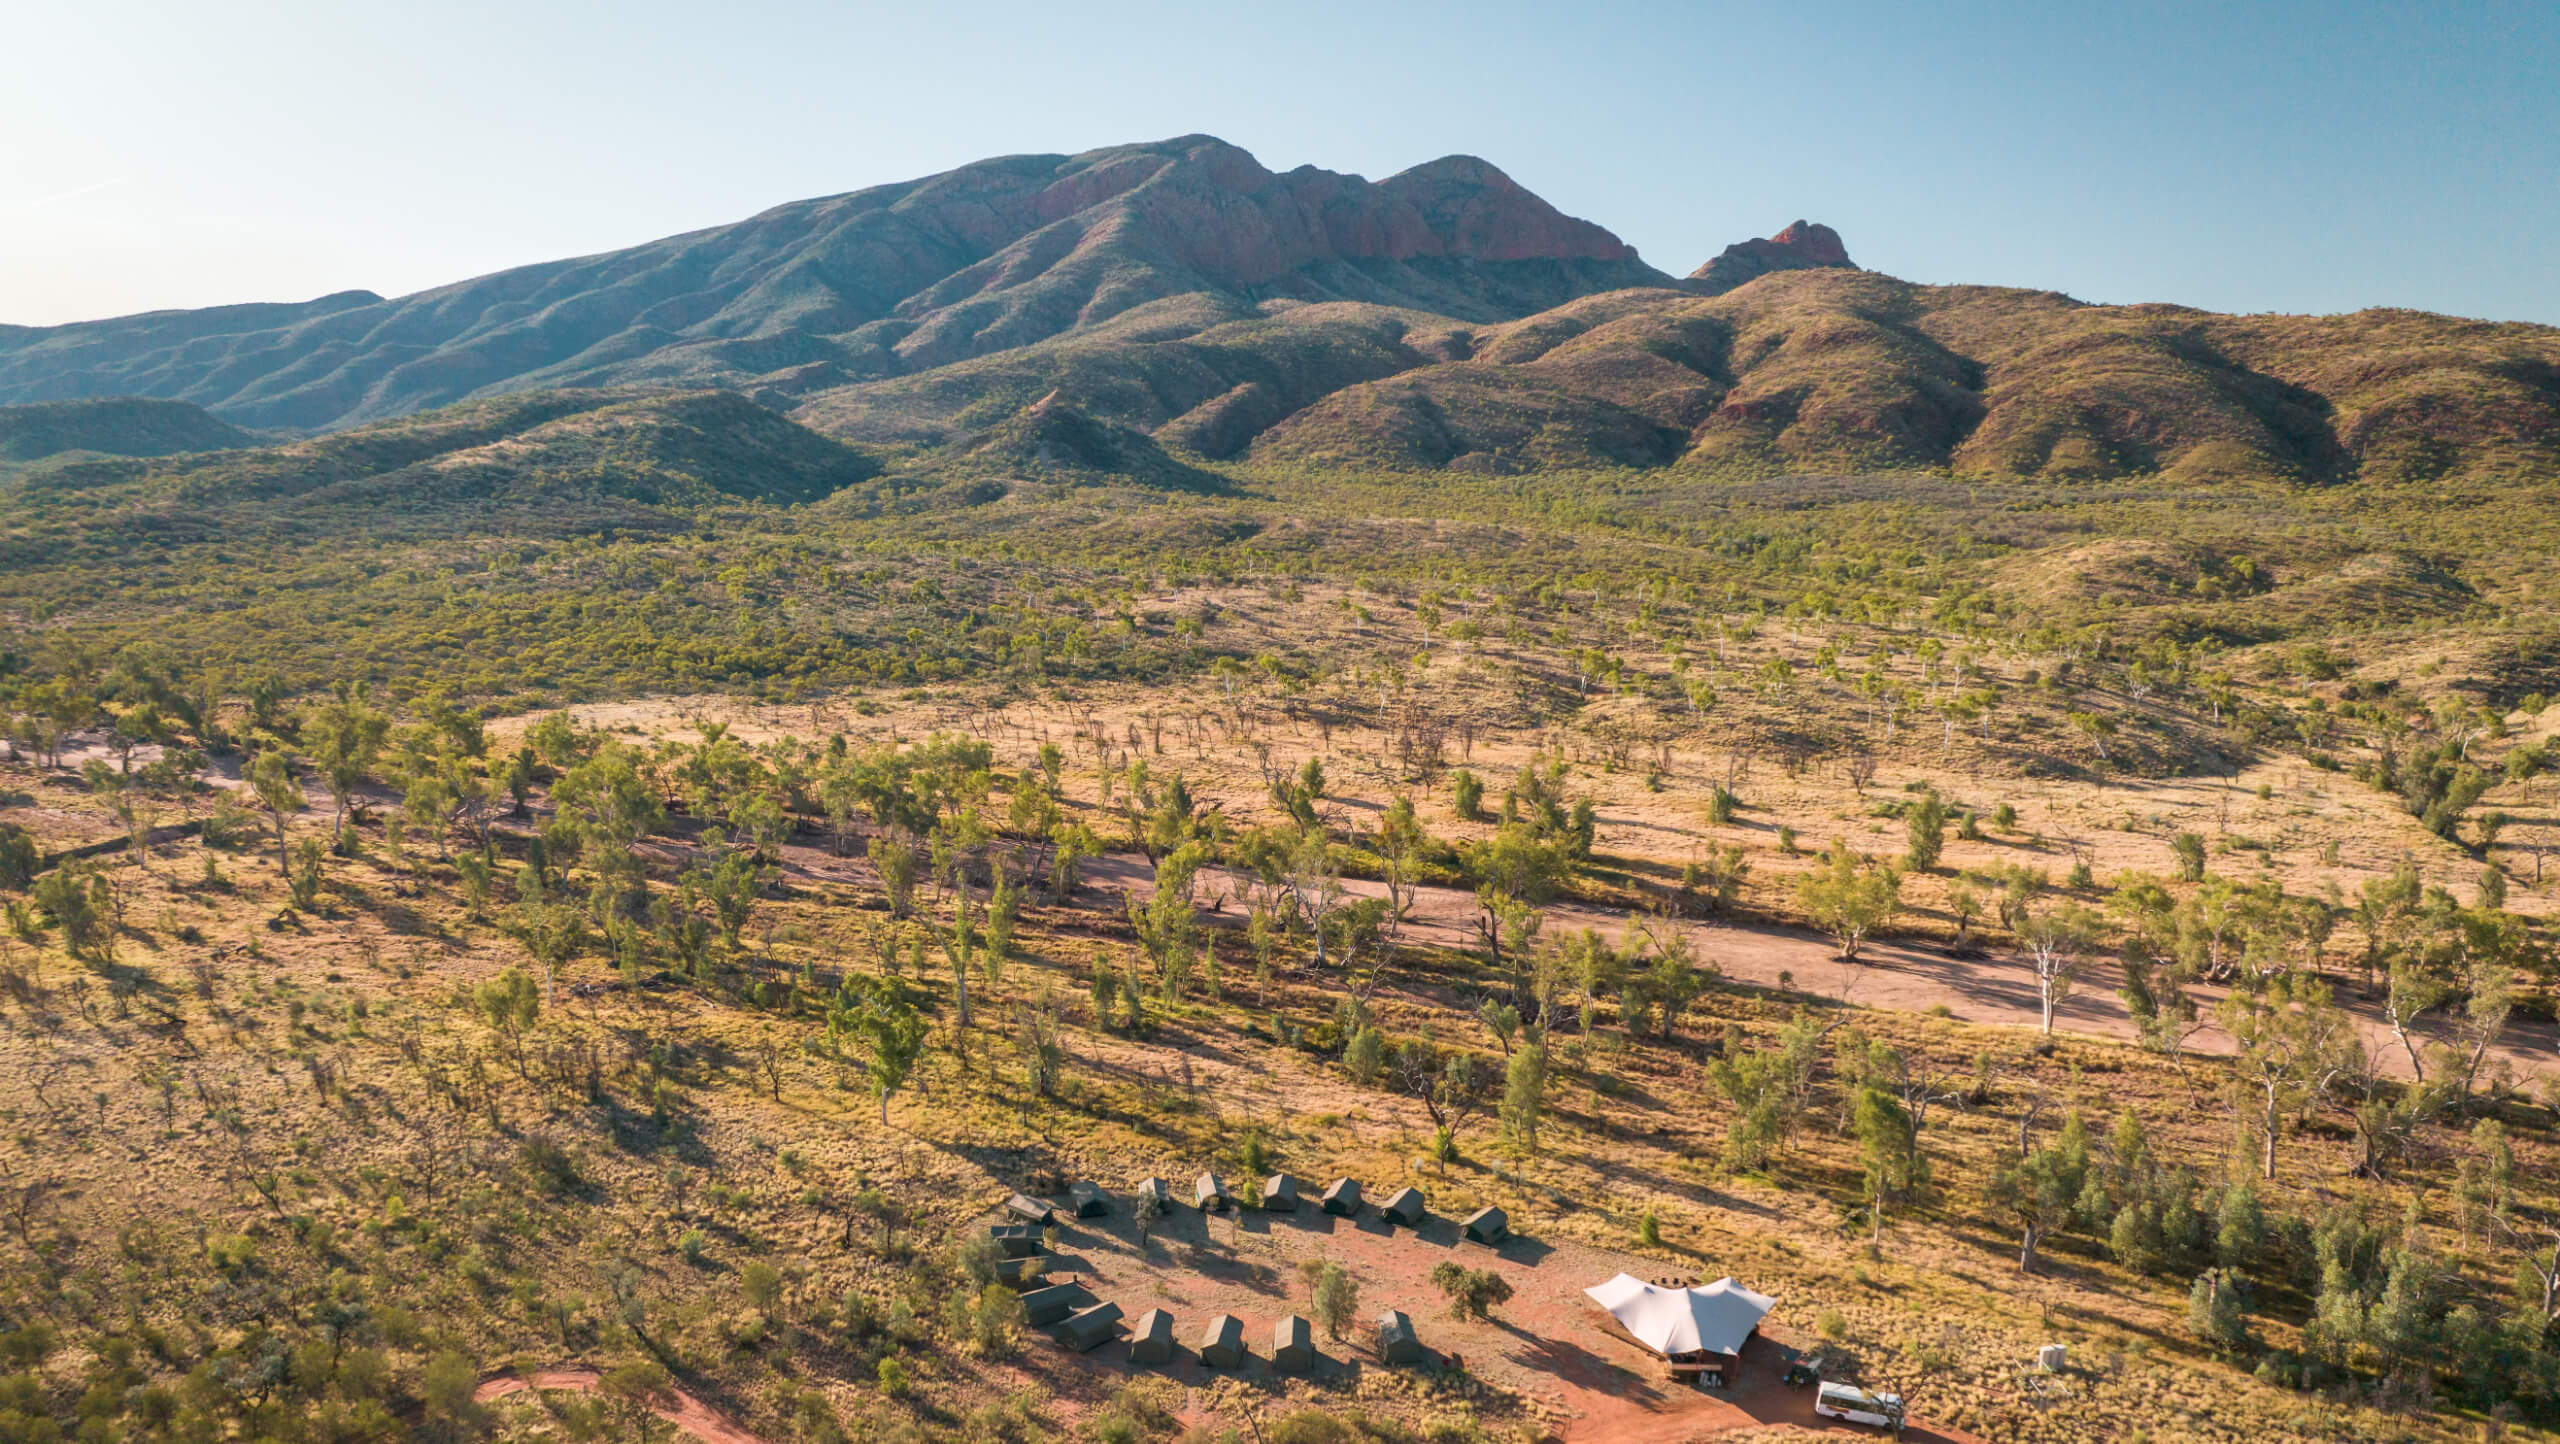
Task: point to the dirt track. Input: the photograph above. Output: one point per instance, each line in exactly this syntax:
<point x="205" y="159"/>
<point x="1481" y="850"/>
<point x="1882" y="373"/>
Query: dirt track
<point x="675" y="1406"/>
<point x="1996" y="989"/>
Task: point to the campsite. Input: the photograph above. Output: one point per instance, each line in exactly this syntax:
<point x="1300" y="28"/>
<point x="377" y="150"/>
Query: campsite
<point x="1579" y="1372"/>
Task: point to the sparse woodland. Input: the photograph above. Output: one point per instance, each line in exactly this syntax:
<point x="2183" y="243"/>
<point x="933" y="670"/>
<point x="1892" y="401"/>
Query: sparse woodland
<point x="648" y="933"/>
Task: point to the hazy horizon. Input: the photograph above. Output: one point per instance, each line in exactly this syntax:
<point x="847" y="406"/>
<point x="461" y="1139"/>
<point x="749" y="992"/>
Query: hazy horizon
<point x="2293" y="158"/>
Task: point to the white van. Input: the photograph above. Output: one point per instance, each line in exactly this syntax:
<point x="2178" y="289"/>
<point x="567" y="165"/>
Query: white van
<point x="1859" y="1406"/>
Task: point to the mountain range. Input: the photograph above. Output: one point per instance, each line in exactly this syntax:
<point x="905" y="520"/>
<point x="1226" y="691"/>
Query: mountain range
<point x="1150" y="307"/>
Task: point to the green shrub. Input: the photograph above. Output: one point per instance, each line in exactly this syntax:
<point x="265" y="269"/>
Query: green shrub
<point x="1364" y="1057"/>
<point x="1925" y="825"/>
<point x="1472" y="1293"/>
<point x="17" y="857"/>
<point x="2188" y="849"/>
<point x="1467" y="791"/>
<point x="761" y="1283"/>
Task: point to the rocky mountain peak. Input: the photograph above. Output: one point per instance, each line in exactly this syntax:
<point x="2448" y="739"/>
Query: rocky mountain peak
<point x="1818" y="243"/>
<point x="1805" y="245"/>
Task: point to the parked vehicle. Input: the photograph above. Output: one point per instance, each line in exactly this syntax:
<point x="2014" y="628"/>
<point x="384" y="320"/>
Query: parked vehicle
<point x="1859" y="1406"/>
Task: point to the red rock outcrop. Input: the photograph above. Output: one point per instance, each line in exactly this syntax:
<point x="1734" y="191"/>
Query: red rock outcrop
<point x="1212" y="209"/>
<point x="1803" y="246"/>
<point x="1816" y="242"/>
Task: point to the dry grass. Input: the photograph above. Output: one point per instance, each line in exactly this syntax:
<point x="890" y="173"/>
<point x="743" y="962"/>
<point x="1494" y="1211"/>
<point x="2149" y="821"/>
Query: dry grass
<point x="326" y="1066"/>
<point x="368" y="982"/>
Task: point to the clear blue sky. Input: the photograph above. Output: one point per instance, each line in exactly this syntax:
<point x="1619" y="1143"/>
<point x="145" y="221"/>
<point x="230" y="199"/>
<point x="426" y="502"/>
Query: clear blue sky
<point x="2248" y="157"/>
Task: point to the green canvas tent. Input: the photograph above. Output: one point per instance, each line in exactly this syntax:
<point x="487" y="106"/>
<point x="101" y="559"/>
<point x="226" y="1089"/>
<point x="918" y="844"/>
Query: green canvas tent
<point x="1280" y="1193"/>
<point x="1293" y="1344"/>
<point x="1396" y="1341"/>
<point x="1151" y="1338"/>
<point x="1405" y="1206"/>
<point x="1043" y="1307"/>
<point x="1488" y="1225"/>
<point x="1211" y="1195"/>
<point x="1342" y="1198"/>
<point x="1088" y="1329"/>
<point x="1222" y="1342"/>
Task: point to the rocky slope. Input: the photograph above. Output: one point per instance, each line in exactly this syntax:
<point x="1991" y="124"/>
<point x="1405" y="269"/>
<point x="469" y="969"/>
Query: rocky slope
<point x="883" y="282"/>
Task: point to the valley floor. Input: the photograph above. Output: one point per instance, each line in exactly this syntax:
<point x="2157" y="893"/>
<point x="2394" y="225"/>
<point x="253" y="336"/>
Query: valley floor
<point x="299" y="1099"/>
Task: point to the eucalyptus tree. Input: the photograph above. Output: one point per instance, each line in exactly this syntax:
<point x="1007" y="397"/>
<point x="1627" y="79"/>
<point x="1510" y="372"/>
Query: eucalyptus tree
<point x="2058" y="941"/>
<point x="2291" y="1041"/>
<point x="344" y="737"/>
<point x="2040" y="1187"/>
<point x="270" y="779"/>
<point x="1850" y="898"/>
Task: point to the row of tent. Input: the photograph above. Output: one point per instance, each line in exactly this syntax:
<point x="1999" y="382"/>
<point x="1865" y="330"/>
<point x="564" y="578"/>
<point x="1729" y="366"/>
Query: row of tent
<point x="1084" y="1327"/>
<point x="1086" y="1199"/>
<point x="1221" y="1343"/>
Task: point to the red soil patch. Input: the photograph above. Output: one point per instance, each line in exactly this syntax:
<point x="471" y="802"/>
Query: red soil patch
<point x="675" y="1406"/>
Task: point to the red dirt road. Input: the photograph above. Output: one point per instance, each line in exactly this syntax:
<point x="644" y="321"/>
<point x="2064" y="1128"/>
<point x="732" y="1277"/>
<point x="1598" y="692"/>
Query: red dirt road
<point x="1997" y="989"/>
<point x="675" y="1406"/>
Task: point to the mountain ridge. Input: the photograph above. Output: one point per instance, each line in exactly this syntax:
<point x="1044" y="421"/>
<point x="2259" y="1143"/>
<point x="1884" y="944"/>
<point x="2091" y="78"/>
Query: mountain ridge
<point x="1140" y="309"/>
<point x="883" y="281"/>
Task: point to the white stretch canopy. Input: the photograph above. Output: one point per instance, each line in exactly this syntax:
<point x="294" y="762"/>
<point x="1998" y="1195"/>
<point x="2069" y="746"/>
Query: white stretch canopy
<point x="1715" y="1317"/>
